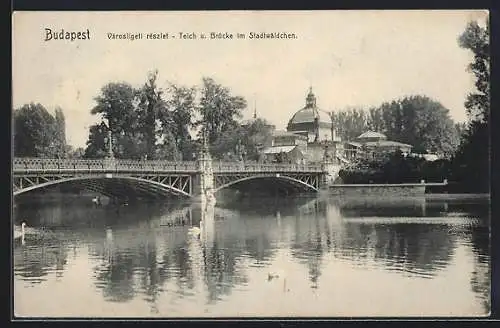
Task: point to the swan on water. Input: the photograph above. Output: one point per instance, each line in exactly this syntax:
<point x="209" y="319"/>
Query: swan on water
<point x="24" y="230"/>
<point x="20" y="231"/>
<point x="195" y="231"/>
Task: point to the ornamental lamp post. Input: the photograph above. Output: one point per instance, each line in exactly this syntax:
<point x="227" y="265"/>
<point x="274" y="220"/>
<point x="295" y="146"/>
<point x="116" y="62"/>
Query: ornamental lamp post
<point x="110" y="145"/>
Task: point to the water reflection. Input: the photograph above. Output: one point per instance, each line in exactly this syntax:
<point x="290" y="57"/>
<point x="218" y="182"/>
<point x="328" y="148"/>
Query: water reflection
<point x="34" y="263"/>
<point x="147" y="253"/>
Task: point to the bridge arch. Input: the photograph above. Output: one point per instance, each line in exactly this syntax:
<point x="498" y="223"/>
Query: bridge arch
<point x="279" y="177"/>
<point x="133" y="181"/>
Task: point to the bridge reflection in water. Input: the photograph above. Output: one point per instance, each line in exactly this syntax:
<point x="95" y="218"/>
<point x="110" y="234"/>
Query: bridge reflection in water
<point x="145" y="253"/>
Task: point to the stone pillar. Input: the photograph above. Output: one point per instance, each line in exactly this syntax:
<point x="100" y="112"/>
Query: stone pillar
<point x="330" y="173"/>
<point x="203" y="182"/>
<point x="330" y="168"/>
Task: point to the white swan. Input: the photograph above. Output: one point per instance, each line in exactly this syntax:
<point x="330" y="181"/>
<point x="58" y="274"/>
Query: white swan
<point x="195" y="231"/>
<point x="19" y="232"/>
<point x="24" y="230"/>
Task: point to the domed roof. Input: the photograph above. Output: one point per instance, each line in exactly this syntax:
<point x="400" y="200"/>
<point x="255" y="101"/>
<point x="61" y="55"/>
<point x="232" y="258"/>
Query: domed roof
<point x="310" y="112"/>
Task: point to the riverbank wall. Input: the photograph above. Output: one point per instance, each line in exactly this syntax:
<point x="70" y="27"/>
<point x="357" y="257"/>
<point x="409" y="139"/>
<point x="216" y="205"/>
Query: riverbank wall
<point x="379" y="190"/>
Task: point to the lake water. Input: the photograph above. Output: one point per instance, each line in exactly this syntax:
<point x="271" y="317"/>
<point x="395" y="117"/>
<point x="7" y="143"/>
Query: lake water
<point x="260" y="257"/>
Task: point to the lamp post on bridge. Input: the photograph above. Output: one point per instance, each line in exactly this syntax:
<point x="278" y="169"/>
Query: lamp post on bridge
<point x="110" y="145"/>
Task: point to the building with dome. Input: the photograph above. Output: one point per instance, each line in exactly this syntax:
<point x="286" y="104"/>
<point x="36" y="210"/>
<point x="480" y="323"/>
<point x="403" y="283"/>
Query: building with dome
<point x="312" y="122"/>
<point x="310" y="132"/>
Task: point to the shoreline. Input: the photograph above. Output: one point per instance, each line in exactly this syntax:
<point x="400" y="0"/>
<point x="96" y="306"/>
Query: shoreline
<point x="457" y="196"/>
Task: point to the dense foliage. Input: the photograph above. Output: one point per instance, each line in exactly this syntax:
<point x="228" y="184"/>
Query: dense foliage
<point x="158" y="124"/>
<point x="243" y="141"/>
<point x="416" y="120"/>
<point x="471" y="164"/>
<point x="396" y="168"/>
<point x="37" y="133"/>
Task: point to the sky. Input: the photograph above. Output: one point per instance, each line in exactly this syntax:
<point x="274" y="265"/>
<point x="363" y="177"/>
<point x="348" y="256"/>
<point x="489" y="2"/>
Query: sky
<point x="350" y="58"/>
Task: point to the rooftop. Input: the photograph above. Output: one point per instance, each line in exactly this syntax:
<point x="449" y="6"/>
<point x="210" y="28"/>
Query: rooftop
<point x="279" y="149"/>
<point x="372" y="135"/>
<point x="354" y="143"/>
<point x="387" y="143"/>
<point x="310" y="112"/>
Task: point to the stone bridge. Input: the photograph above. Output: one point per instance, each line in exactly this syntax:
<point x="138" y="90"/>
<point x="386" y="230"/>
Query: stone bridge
<point x="157" y="179"/>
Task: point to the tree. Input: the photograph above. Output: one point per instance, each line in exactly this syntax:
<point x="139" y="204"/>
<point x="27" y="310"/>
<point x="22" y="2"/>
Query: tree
<point x="167" y="149"/>
<point x="419" y="121"/>
<point x="34" y="132"/>
<point x="96" y="143"/>
<point x="151" y="105"/>
<point x="461" y="128"/>
<point x="218" y="109"/>
<point x="179" y="119"/>
<point x="376" y="120"/>
<point x="471" y="166"/>
<point x="476" y="39"/>
<point x="117" y="105"/>
<point x="227" y="143"/>
<point x="245" y="141"/>
<point x="60" y="133"/>
<point x="350" y="123"/>
<point x="255" y="136"/>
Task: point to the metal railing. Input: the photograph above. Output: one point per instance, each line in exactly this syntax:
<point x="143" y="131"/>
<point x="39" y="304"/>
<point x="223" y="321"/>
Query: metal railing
<point x="49" y="165"/>
<point x="228" y="167"/>
<point x="99" y="165"/>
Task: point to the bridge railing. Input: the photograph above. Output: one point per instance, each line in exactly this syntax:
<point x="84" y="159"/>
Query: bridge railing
<point x="105" y="165"/>
<point x="155" y="166"/>
<point x="228" y="167"/>
<point x="49" y="164"/>
<point x="98" y="165"/>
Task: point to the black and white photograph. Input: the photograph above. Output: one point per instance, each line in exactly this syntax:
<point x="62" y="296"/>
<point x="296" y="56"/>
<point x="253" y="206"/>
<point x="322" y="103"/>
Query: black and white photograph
<point x="251" y="164"/>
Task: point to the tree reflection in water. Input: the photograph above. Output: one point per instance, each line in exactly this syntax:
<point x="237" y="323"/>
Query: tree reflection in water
<point x="411" y="248"/>
<point x="307" y="245"/>
<point x="135" y="265"/>
<point x="35" y="262"/>
<point x="148" y="253"/>
<point x="480" y="279"/>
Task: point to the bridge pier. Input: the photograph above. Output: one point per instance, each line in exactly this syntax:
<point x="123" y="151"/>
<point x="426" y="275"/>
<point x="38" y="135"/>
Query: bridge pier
<point x="330" y="173"/>
<point x="203" y="186"/>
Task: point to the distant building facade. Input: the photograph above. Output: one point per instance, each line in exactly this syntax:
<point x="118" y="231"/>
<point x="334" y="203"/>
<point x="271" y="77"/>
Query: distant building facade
<point x="311" y="135"/>
<point x="373" y="144"/>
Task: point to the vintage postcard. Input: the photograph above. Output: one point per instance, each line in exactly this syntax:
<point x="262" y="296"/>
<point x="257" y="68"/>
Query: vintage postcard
<point x="250" y="164"/>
